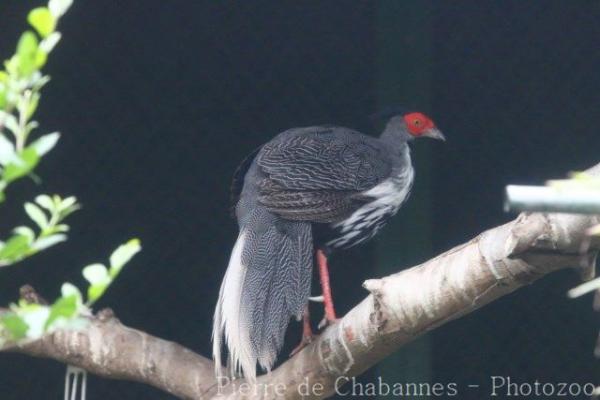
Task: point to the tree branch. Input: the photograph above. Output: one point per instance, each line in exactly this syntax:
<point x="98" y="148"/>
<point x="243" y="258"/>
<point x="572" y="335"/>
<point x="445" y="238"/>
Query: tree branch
<point x="110" y="349"/>
<point x="398" y="309"/>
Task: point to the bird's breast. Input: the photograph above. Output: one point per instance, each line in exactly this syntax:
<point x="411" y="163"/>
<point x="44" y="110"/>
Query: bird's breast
<point x="366" y="221"/>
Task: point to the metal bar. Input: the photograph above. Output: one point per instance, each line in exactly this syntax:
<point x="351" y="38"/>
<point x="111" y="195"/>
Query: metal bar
<point x="550" y="199"/>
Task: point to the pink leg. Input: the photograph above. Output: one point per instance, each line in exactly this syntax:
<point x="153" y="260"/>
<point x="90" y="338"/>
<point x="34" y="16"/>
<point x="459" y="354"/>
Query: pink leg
<point x="327" y="297"/>
<point x="307" y="334"/>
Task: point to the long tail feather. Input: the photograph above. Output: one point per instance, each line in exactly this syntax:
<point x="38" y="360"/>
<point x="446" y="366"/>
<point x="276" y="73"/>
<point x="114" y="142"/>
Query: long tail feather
<point x="267" y="282"/>
<point x="227" y="312"/>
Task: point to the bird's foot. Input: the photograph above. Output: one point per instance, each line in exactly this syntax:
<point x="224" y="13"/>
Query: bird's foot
<point x="306" y="340"/>
<point x="307" y="334"/>
<point x="325" y="322"/>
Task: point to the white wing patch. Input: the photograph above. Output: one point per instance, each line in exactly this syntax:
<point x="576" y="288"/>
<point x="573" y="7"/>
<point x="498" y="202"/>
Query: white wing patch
<point x="388" y="197"/>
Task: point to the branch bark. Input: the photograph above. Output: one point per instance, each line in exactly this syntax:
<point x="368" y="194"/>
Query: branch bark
<point x="398" y="309"/>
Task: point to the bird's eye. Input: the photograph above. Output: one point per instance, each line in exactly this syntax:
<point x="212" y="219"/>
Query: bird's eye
<point x="417" y="123"/>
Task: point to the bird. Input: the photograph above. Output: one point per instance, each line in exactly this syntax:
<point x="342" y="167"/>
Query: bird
<point x="307" y="192"/>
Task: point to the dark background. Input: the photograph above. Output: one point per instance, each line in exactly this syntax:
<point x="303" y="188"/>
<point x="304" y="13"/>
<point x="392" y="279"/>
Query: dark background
<point x="158" y="101"/>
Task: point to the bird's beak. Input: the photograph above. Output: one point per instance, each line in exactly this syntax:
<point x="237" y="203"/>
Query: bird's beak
<point x="435" y="133"/>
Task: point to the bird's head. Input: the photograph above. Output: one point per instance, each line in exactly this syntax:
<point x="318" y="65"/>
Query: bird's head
<point x="420" y="125"/>
<point x="412" y="125"/>
<point x="408" y="125"/>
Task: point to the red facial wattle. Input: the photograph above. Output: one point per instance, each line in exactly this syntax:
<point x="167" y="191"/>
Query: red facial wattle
<point x="418" y="123"/>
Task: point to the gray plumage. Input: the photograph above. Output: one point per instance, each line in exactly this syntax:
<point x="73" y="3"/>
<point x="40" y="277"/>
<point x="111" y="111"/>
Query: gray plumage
<point x="328" y="187"/>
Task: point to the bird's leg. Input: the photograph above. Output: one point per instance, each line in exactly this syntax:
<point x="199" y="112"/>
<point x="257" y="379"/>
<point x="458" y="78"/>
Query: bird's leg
<point x="307" y="334"/>
<point x="327" y="297"/>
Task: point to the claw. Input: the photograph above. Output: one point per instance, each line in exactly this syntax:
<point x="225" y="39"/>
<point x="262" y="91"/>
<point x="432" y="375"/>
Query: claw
<point x="307" y="335"/>
<point x="327" y="322"/>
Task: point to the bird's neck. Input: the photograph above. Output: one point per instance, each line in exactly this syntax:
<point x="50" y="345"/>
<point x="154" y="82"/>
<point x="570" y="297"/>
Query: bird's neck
<point x="396" y="141"/>
<point x="395" y="135"/>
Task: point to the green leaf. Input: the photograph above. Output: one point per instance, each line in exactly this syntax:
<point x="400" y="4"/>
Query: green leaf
<point x="122" y="255"/>
<point x="9" y="121"/>
<point x="68" y="210"/>
<point x="35" y="316"/>
<point x="36" y="214"/>
<point x="33" y="104"/>
<point x="45" y="143"/>
<point x="27" y="45"/>
<point x="38" y="81"/>
<point x="15" y="248"/>
<point x="14" y="325"/>
<point x="3" y="95"/>
<point x="96" y="273"/>
<point x="7" y="150"/>
<point x="67" y="203"/>
<point x="48" y="241"/>
<point x="48" y="44"/>
<point x="59" y="7"/>
<point x="41" y="57"/>
<point x="68" y="289"/>
<point x="25" y="231"/>
<point x="25" y="307"/>
<point x="60" y="228"/>
<point x="96" y="291"/>
<point x="3" y="89"/>
<point x="42" y="20"/>
<point x="63" y="307"/>
<point x="27" y="50"/>
<point x="28" y="159"/>
<point x="12" y="65"/>
<point x="97" y="276"/>
<point x="45" y="201"/>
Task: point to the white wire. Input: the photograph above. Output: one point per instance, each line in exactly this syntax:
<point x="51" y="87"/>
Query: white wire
<point x="84" y="385"/>
<point x="74" y="387"/>
<point x="67" y="385"/>
<point x="72" y="382"/>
